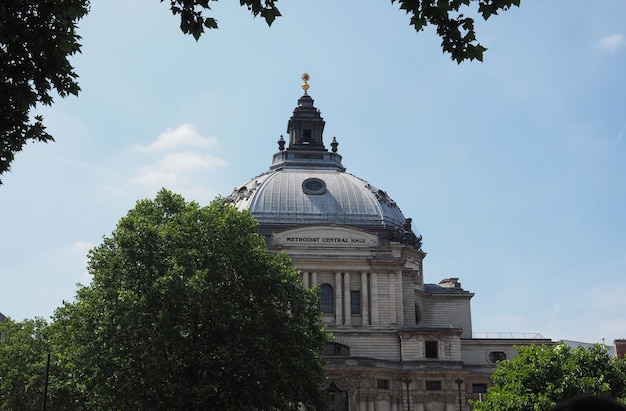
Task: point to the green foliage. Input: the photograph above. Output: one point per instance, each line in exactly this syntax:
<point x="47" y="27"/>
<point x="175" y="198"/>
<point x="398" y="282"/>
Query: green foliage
<point x="24" y="350"/>
<point x="23" y="355"/>
<point x="540" y="377"/>
<point x="36" y="40"/>
<point x="193" y="20"/>
<point x="187" y="310"/>
<point x="456" y="30"/>
<point x="457" y="33"/>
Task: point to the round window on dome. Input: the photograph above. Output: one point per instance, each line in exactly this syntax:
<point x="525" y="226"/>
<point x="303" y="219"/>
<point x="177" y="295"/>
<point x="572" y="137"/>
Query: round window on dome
<point x="314" y="186"/>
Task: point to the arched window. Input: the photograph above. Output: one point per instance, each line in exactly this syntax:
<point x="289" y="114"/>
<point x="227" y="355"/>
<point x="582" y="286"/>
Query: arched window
<point x="338" y="400"/>
<point x="327" y="299"/>
<point x="335" y="349"/>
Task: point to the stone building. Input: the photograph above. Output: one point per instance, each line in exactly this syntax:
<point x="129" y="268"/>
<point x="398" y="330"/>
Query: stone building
<point x="399" y="343"/>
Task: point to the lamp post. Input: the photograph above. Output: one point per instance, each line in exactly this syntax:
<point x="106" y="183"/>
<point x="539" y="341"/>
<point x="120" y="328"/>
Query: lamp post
<point x="406" y="381"/>
<point x="45" y="387"/>
<point x="458" y="382"/>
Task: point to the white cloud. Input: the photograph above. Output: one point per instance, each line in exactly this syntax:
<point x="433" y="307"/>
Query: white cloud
<point x="175" y="165"/>
<point x="154" y="176"/>
<point x="612" y="43"/>
<point x="179" y="159"/>
<point x="82" y="246"/>
<point x="168" y="170"/>
<point x="184" y="135"/>
<point x="190" y="161"/>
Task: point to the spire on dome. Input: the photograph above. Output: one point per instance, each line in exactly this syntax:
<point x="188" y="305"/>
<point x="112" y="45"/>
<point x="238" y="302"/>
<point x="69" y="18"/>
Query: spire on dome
<point x="305" y="143"/>
<point x="306" y="125"/>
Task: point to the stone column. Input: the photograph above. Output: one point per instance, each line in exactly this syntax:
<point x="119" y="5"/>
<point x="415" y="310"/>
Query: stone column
<point x="347" y="301"/>
<point x="393" y="319"/>
<point x="365" y="306"/>
<point x="314" y="279"/>
<point x="374" y="298"/>
<point x="338" y="304"/>
<point x="305" y="280"/>
<point x="400" y="296"/>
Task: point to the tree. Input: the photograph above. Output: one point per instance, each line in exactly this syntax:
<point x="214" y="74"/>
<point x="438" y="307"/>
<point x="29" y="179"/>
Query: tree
<point x="24" y="368"/>
<point x="540" y="377"/>
<point x="23" y="357"/>
<point x="187" y="310"/>
<point x="38" y="37"/>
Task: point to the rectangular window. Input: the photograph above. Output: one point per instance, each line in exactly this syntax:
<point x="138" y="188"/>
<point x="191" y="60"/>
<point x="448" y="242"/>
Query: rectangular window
<point x="431" y="349"/>
<point x="383" y="384"/>
<point x="327" y="299"/>
<point x="433" y="385"/>
<point x="306" y="136"/>
<point x="479" y="388"/>
<point x="355" y="302"/>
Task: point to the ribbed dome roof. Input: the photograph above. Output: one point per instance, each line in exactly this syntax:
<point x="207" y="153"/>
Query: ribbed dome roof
<point x="307" y="184"/>
<point x="294" y="196"/>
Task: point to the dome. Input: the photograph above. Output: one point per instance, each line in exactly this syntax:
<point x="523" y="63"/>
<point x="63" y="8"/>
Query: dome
<point x="308" y="185"/>
<point x="295" y="196"/>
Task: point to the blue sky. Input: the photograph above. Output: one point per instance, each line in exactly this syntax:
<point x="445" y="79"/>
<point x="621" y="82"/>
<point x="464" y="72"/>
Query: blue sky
<point x="512" y="170"/>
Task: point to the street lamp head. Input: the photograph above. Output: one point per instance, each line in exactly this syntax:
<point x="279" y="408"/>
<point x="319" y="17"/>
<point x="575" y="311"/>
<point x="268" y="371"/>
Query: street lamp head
<point x="406" y="381"/>
<point x="458" y="381"/>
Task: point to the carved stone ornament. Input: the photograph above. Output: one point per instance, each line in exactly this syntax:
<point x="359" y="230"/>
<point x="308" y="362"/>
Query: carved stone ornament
<point x="382" y="196"/>
<point x="242" y="193"/>
<point x="405" y="235"/>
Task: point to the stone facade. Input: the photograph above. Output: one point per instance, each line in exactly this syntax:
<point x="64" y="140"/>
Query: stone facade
<point x="399" y="343"/>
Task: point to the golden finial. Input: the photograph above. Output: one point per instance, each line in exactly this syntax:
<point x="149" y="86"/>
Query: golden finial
<point x="305" y="85"/>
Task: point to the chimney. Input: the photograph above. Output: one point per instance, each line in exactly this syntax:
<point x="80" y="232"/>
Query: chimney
<point x="620" y="348"/>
